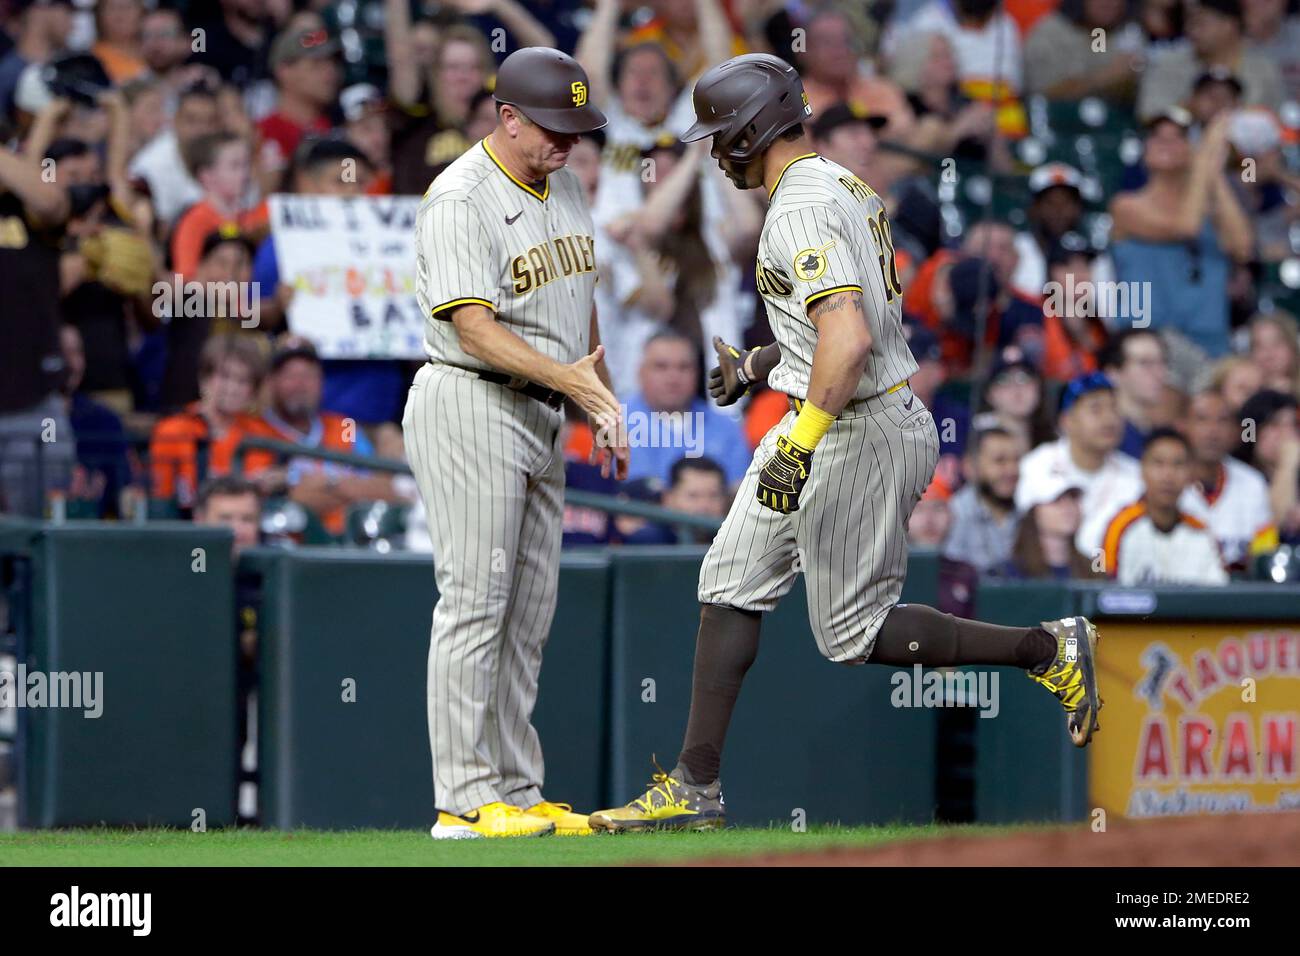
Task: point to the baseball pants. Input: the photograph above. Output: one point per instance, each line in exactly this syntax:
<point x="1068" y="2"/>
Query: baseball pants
<point x="849" y="536"/>
<point x="490" y="469"/>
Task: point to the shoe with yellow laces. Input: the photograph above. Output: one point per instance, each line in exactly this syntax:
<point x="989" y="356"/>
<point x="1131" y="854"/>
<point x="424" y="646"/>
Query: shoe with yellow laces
<point x="567" y="823"/>
<point x="1072" y="675"/>
<point x="491" y="820"/>
<point x="671" y="803"/>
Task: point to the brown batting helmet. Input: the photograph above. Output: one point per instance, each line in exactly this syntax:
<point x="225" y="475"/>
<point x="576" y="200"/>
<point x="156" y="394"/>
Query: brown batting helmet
<point x="550" y="88"/>
<point x="745" y="103"/>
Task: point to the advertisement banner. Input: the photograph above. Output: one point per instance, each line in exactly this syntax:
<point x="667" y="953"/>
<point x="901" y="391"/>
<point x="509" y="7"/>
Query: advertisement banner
<point x="1198" y="718"/>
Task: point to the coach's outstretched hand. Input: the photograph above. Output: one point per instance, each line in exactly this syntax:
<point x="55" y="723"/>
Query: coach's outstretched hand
<point x="582" y="383"/>
<point x="727" y="380"/>
<point x="784" y="476"/>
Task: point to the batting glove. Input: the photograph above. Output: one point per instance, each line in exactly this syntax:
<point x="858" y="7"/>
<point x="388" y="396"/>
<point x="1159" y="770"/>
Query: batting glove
<point x="727" y="379"/>
<point x="784" y="476"/>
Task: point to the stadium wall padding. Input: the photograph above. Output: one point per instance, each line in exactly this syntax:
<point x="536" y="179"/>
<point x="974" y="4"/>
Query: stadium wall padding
<point x="151" y="610"/>
<point x="810" y="740"/>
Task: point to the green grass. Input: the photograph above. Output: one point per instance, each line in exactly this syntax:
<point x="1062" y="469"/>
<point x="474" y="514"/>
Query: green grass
<point x="112" y="847"/>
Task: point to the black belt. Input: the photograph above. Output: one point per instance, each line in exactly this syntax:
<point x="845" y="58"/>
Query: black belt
<point x="547" y="396"/>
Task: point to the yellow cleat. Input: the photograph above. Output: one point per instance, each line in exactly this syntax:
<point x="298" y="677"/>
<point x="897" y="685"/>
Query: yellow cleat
<point x="1072" y="675"/>
<point x="491" y="820"/>
<point x="670" y="804"/>
<point x="567" y="823"/>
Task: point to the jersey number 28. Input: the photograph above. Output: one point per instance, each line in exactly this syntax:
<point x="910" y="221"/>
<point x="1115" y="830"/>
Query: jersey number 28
<point x="879" y="227"/>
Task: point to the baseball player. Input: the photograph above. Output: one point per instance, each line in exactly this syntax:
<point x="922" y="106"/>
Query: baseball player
<point x="831" y="485"/>
<point x="505" y="274"/>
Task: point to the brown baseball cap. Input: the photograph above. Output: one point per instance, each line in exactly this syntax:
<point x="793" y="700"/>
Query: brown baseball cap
<point x="298" y="44"/>
<point x="550" y="88"/>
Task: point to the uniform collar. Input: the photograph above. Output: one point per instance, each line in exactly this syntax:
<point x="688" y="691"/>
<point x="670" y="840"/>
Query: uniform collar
<point x="776" y="184"/>
<point x="546" y="181"/>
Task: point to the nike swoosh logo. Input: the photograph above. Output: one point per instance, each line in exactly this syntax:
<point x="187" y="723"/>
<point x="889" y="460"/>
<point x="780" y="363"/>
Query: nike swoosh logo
<point x="510" y="220"/>
<point x="908" y="404"/>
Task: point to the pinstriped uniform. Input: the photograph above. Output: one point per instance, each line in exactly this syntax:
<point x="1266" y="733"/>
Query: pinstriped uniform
<point x="489" y="464"/>
<point x="826" y="232"/>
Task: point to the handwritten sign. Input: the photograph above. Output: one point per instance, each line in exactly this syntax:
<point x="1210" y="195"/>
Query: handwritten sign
<point x="351" y="264"/>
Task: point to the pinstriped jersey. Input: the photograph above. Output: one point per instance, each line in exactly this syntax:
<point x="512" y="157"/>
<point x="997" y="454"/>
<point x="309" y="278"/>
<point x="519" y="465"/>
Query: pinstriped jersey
<point x="523" y="250"/>
<point x="826" y="232"/>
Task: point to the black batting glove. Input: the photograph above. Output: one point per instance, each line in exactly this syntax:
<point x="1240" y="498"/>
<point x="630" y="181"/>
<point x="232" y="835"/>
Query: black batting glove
<point x="784" y="476"/>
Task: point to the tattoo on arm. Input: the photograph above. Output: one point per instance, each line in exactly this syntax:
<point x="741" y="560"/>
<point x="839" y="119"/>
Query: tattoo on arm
<point x="851" y="298"/>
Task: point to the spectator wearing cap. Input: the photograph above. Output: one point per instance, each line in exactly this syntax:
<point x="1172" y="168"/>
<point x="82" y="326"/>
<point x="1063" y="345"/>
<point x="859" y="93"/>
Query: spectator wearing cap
<point x="1151" y="541"/>
<point x="43" y="29"/>
<point x="365" y="124"/>
<point x="1072" y="335"/>
<point x="1044" y="547"/>
<point x="832" y="69"/>
<point x="1062" y="61"/>
<point x="1012" y="398"/>
<point x="846" y="134"/>
<point x="369" y="391"/>
<point x="1178" y="235"/>
<point x="220" y="164"/>
<point x="1134" y="362"/>
<point x="1086" y="455"/>
<point x="201" y="440"/>
<point x="117" y="44"/>
<point x="931" y="520"/>
<point x="667" y="403"/>
<point x="984" y="517"/>
<point x="224" y="267"/>
<point x="1228" y="495"/>
<point x="1055" y="210"/>
<point x="1216" y="31"/>
<point x="1270" y="442"/>
<point x="294" y="414"/>
<point x="306" y="71"/>
<point x="1273" y="32"/>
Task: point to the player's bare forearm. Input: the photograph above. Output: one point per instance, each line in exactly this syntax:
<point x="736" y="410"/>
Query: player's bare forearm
<point x="483" y="337"/>
<point x="843" y="345"/>
<point x="487" y="340"/>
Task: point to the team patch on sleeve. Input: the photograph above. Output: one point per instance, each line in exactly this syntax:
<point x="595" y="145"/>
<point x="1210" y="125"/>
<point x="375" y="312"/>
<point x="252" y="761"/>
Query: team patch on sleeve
<point x="810" y="264"/>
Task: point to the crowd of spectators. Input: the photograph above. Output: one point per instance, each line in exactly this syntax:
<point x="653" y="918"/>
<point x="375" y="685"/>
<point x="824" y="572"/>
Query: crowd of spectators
<point x="1110" y="363"/>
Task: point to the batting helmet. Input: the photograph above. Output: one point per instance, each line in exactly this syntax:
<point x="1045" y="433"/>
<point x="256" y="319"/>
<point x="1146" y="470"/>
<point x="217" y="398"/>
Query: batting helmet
<point x="745" y="103"/>
<point x="550" y="88"/>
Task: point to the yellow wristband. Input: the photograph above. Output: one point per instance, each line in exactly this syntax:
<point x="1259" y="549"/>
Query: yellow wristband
<point x="811" y="425"/>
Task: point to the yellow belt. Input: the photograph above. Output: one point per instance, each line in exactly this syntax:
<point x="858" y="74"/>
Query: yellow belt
<point x="797" y="403"/>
